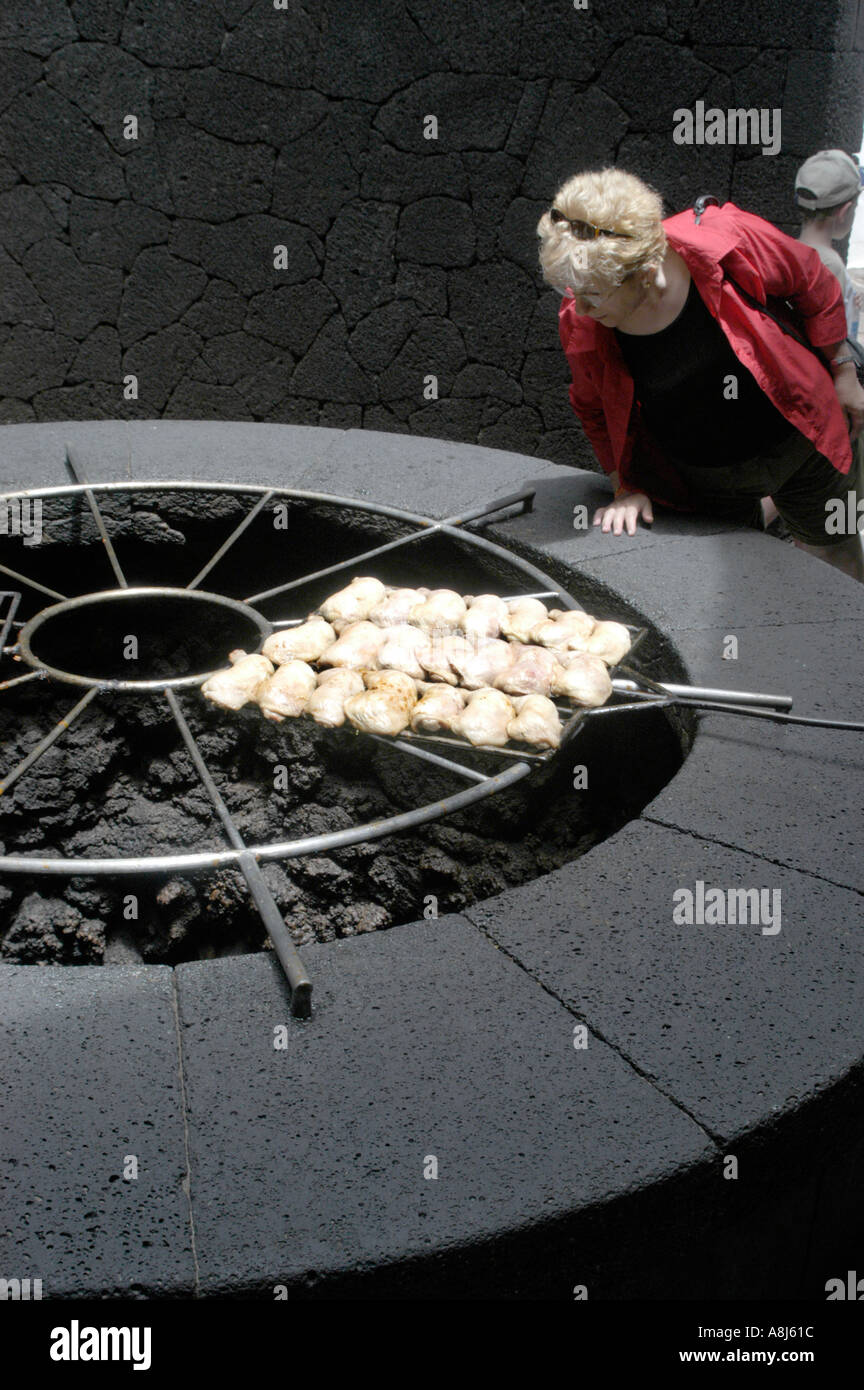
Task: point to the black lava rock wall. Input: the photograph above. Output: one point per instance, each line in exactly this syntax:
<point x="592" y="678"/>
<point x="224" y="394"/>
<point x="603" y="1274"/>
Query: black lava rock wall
<point x="398" y="152"/>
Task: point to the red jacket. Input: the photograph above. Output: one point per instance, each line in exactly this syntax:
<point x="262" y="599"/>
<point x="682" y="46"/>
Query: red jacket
<point x="764" y="261"/>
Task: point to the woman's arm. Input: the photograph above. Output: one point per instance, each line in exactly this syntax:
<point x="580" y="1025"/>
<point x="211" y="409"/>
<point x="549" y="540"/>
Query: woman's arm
<point x="789" y="269"/>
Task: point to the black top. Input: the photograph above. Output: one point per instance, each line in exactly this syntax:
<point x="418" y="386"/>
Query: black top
<point x="680" y="375"/>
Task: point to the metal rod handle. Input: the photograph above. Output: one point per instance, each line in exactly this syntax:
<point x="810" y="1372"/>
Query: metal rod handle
<point x="704" y="692"/>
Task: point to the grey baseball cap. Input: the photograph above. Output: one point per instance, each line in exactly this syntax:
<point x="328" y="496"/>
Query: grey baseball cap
<point x="827" y="179"/>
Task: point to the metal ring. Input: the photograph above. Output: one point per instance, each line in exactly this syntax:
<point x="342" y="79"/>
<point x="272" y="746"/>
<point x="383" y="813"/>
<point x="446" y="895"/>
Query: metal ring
<point x="111" y="595"/>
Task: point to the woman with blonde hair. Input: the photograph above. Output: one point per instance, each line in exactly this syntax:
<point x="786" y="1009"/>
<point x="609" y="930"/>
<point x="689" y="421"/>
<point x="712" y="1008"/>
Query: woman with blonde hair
<point x="688" y="390"/>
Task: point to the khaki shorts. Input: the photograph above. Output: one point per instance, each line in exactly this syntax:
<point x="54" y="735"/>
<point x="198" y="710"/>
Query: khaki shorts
<point x="799" y="480"/>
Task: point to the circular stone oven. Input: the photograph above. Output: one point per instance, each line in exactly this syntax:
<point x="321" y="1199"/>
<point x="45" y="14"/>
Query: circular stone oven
<point x="302" y="1145"/>
<point x="132" y="858"/>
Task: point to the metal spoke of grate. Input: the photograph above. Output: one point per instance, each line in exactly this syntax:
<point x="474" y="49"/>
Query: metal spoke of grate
<point x="77" y="474"/>
<point x="430" y="528"/>
<point x="301" y="985"/>
<point x="22" y="680"/>
<point x="6" y="617"/>
<point x="235" y="536"/>
<point x="45" y="743"/>
<point x="32" y="583"/>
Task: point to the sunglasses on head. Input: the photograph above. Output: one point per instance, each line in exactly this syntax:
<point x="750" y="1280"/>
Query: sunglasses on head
<point x="584" y="231"/>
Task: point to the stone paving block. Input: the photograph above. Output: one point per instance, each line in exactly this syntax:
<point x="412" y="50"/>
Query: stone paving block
<point x="111" y="450"/>
<point x="430" y="476"/>
<point x="90" y="1076"/>
<point x="736" y="1024"/>
<point x="791" y="794"/>
<point x="425" y="1041"/>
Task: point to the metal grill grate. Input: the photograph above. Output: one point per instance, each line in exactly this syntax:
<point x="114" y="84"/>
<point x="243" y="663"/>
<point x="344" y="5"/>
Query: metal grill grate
<point x="631" y="691"/>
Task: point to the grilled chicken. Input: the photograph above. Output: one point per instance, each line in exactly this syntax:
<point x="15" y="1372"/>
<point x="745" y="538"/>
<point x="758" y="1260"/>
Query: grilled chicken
<point x="357" y="647"/>
<point x="485" y="718"/>
<point x="286" y="693"/>
<point x="354" y="603"/>
<point x="384" y="708"/>
<point x="523" y="615"/>
<point x="401" y="649"/>
<point x="327" y="701"/>
<point x="396" y="606"/>
<point x="567" y="630"/>
<point x="609" y="641"/>
<point x="307" y="642"/>
<point x="531" y="672"/>
<point x="435" y="658"/>
<point x="437" y="707"/>
<point x="584" y="680"/>
<point x="537" y="722"/>
<point x="238" y="683"/>
<point x="487" y="660"/>
<point x="442" y="611"/>
<point x="485" y="615"/>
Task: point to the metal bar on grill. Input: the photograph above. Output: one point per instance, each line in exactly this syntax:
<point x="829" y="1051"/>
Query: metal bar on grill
<point x="227" y="544"/>
<point x="45" y="743"/>
<point x="295" y="970"/>
<point x="97" y="517"/>
<point x="19" y="680"/>
<point x="14" y="598"/>
<point x="463" y="771"/>
<point x="699" y="692"/>
<point x="33" y="583"/>
<point x="432" y="528"/>
<point x="476" y="747"/>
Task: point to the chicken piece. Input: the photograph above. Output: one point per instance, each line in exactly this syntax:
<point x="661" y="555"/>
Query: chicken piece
<point x="402" y="648"/>
<point x="353" y="604"/>
<point x="437" y="707"/>
<point x="286" y="693"/>
<point x="566" y="630"/>
<point x="395" y="608"/>
<point x="485" y="615"/>
<point x="305" y="642"/>
<point x="584" y="680"/>
<point x="523" y="615"/>
<point x="485" y="718"/>
<point x="357" y="647"/>
<point x="385" y="707"/>
<point x="442" y="611"/>
<point x="531" y="672"/>
<point x="237" y="684"/>
<point x="327" y="701"/>
<point x="488" y="659"/>
<point x="610" y="641"/>
<point x="435" y="658"/>
<point x="536" y="722"/>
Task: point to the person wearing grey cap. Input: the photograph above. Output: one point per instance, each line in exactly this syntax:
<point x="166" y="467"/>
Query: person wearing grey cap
<point x="826" y="191"/>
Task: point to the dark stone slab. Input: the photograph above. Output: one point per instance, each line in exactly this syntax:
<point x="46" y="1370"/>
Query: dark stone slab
<point x="31" y="132"/>
<point x="697" y="582"/>
<point x="424" y="475"/>
<point x="180" y="33"/>
<point x="454" y="241"/>
<point x="790" y="794"/>
<point x="736" y="1025"/>
<point x="316" y="1164"/>
<point x="218" y="451"/>
<point x="158" y="291"/>
<point x="107" y="84"/>
<point x="91" y="1075"/>
<point x="492" y="305"/>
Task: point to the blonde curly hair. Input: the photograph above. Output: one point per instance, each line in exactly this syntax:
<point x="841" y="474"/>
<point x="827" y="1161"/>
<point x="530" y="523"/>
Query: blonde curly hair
<point x="616" y="201"/>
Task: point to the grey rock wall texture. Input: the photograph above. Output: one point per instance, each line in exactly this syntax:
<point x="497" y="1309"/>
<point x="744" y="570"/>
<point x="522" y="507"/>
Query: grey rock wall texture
<point x="301" y="124"/>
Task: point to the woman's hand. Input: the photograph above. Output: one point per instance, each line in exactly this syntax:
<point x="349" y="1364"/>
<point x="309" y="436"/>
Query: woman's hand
<point x="850" y="394"/>
<point x="624" y="512"/>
